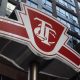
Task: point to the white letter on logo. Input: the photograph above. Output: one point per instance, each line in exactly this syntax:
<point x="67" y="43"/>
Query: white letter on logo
<point x="44" y="31"/>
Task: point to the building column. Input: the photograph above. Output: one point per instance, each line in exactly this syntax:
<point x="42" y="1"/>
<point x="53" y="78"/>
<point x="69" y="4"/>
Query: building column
<point x="54" y="12"/>
<point x="33" y="71"/>
<point x="3" y="7"/>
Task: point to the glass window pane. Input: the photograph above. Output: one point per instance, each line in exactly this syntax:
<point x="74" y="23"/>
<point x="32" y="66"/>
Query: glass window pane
<point x="62" y="2"/>
<point x="75" y="19"/>
<point x="48" y="3"/>
<point x="10" y="8"/>
<point x="62" y="11"/>
<point x="28" y="2"/>
<point x="76" y="29"/>
<point x="65" y="3"/>
<point x="68" y="25"/>
<point x="47" y="12"/>
<point x="73" y="8"/>
<point x="43" y="1"/>
<point x="64" y="22"/>
<point x="58" y="18"/>
<point x="72" y="1"/>
<point x="67" y="14"/>
<point x="57" y="8"/>
<point x="32" y="4"/>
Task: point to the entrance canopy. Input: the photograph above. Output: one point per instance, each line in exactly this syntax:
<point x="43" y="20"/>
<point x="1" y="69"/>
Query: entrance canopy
<point x="17" y="57"/>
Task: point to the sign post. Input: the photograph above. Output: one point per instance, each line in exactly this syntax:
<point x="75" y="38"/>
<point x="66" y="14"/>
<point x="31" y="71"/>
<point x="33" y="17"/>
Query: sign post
<point x="33" y="71"/>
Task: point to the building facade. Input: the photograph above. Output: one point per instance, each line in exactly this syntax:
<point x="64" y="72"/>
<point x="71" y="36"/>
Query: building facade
<point x="66" y="11"/>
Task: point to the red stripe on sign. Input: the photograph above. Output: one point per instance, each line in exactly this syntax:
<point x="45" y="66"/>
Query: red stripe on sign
<point x="70" y="55"/>
<point x="14" y="29"/>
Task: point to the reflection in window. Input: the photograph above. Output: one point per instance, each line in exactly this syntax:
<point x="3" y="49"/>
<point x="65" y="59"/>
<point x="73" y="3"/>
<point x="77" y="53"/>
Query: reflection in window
<point x="77" y="30"/>
<point x="62" y="2"/>
<point x="32" y="4"/>
<point x="47" y="3"/>
<point x="72" y="1"/>
<point x="75" y="20"/>
<point x="64" y="22"/>
<point x="73" y="8"/>
<point x="10" y="8"/>
<point x="66" y="4"/>
<point x="47" y="12"/>
<point x="62" y="12"/>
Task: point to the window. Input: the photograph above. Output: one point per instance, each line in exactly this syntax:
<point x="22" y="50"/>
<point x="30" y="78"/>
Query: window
<point x="65" y="3"/>
<point x="62" y="12"/>
<point x="47" y="12"/>
<point x="68" y="25"/>
<point x="47" y="3"/>
<point x="77" y="30"/>
<point x="73" y="8"/>
<point x="32" y="4"/>
<point x="62" y="2"/>
<point x="75" y="20"/>
<point x="57" y="8"/>
<point x="58" y="18"/>
<point x="64" y="22"/>
<point x="72" y="1"/>
<point x="10" y="8"/>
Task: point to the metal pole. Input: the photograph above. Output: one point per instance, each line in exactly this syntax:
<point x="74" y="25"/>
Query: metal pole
<point x="33" y="71"/>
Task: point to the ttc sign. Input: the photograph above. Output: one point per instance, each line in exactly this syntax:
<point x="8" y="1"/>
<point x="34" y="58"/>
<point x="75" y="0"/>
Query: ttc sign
<point x="44" y="35"/>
